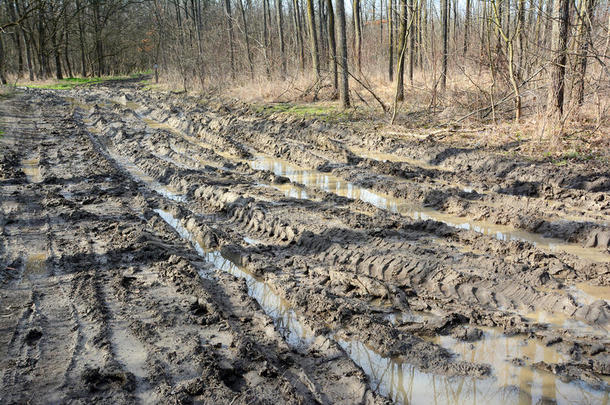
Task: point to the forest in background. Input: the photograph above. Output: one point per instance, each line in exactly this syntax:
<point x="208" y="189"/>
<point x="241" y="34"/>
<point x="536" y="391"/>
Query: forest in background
<point x="540" y="63"/>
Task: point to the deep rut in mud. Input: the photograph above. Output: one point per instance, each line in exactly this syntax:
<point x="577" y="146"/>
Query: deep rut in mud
<point x="156" y="248"/>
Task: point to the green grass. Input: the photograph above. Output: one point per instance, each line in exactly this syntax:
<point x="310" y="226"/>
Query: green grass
<point x="327" y="113"/>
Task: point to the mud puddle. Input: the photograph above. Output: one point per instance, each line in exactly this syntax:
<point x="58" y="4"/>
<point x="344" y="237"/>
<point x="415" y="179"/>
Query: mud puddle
<point x="284" y="318"/>
<point x="511" y="358"/>
<point x="590" y="293"/>
<point x="510" y="383"/>
<point x="402" y="382"/>
<point x="31" y="168"/>
<point x="564" y="322"/>
<point x="332" y="184"/>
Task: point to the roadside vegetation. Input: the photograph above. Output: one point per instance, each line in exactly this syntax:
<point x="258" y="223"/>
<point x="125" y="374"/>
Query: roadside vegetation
<point x="525" y="77"/>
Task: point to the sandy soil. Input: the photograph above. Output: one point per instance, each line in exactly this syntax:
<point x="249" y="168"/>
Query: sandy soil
<point x="159" y="248"/>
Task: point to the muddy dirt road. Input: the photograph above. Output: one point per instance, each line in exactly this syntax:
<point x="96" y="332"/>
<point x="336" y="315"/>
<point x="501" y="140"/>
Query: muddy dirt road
<point x="160" y="249"/>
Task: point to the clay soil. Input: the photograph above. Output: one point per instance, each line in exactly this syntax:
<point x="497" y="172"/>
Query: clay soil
<point x="160" y="248"/>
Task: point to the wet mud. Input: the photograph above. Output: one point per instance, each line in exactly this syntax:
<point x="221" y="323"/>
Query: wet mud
<point x="161" y="248"/>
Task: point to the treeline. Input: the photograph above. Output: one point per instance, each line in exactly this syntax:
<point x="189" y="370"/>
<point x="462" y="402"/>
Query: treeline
<point x="517" y="45"/>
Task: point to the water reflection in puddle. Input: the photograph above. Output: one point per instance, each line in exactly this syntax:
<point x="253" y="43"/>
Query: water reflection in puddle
<point x="332" y="184"/>
<point x="284" y="318"/>
<point x="402" y="382"/>
<point x="499" y="350"/>
<point x="590" y="293"/>
<point x="562" y="321"/>
<point x="509" y="384"/>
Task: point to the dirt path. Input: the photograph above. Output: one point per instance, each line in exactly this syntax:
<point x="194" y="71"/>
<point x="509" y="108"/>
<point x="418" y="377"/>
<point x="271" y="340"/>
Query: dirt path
<point x="156" y="249"/>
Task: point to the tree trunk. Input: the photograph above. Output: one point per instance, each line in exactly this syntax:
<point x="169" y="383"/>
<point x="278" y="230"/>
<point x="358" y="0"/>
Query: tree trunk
<point x="583" y="34"/>
<point x="390" y="42"/>
<point x="445" y="32"/>
<point x="400" y="90"/>
<point x="322" y="41"/>
<point x="280" y="30"/>
<point x="299" y="34"/>
<point x="66" y="51"/>
<point x="332" y="46"/>
<point x="357" y="34"/>
<point x="265" y="39"/>
<point x="231" y="40"/>
<point x="411" y="33"/>
<point x="520" y="36"/>
<point x="344" y="87"/>
<point x="56" y="53"/>
<point x="381" y="24"/>
<point x="2" y="62"/>
<point x="313" y="40"/>
<point x="466" y="27"/>
<point x="247" y="38"/>
<point x="16" y="37"/>
<point x="561" y="18"/>
<point x="28" y="56"/>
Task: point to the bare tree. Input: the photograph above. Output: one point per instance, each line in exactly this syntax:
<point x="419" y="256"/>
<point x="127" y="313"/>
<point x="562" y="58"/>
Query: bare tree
<point x="445" y="33"/>
<point x="561" y="18"/>
<point x="313" y="40"/>
<point x="332" y="47"/>
<point x="585" y="13"/>
<point x="280" y="30"/>
<point x="344" y="86"/>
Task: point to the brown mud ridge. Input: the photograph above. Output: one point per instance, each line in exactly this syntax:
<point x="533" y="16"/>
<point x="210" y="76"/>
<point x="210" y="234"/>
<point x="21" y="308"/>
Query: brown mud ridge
<point x="156" y="248"/>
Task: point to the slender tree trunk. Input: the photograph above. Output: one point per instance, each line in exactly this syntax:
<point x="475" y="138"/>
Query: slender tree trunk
<point x="2" y="62"/>
<point x="28" y="56"/>
<point x="10" y="7"/>
<point x="561" y="18"/>
<point x="66" y="50"/>
<point x="299" y="34"/>
<point x="390" y="42"/>
<point x="381" y="24"/>
<point x="400" y="88"/>
<point x="455" y="22"/>
<point x="99" y="50"/>
<point x="445" y="32"/>
<point x="313" y="40"/>
<point x="247" y="38"/>
<point x="231" y="40"/>
<point x="322" y="41"/>
<point x="57" y="54"/>
<point x="266" y="40"/>
<point x="466" y="27"/>
<point x="81" y="39"/>
<point x="344" y="85"/>
<point x="411" y="33"/>
<point x="357" y="34"/>
<point x="280" y="30"/>
<point x="547" y="24"/>
<point x="332" y="46"/>
<point x="583" y="34"/>
<point x="520" y="36"/>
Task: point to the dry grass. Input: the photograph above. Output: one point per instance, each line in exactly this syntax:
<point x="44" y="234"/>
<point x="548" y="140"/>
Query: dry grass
<point x="582" y="134"/>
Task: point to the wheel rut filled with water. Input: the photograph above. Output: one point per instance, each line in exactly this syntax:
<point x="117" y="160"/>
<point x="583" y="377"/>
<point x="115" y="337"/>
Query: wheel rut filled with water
<point x="156" y="249"/>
